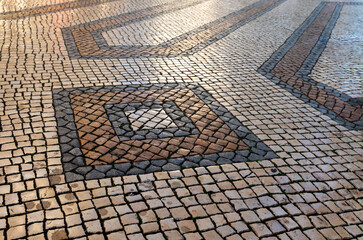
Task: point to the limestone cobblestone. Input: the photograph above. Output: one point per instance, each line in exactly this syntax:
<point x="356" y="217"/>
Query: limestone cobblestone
<point x="242" y="122"/>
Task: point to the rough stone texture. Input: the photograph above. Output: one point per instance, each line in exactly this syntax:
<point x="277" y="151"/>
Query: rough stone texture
<point x="280" y="76"/>
<point x="108" y="134"/>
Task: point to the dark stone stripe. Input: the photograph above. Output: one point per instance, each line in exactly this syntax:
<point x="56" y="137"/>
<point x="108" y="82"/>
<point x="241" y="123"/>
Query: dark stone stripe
<point x="187" y="43"/>
<point x="75" y="44"/>
<point x="338" y="105"/>
<point x="290" y="42"/>
<point x="102" y="42"/>
<point x="315" y="53"/>
<point x="51" y="8"/>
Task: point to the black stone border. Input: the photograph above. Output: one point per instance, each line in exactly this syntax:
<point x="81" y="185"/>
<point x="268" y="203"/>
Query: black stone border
<point x="73" y="161"/>
<point x="71" y="44"/>
<point x="124" y="131"/>
<point x="309" y="64"/>
<point x="101" y="42"/>
<point x="51" y="10"/>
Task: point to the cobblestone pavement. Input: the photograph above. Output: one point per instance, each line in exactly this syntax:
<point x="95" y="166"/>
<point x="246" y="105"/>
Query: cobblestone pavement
<point x="181" y="119"/>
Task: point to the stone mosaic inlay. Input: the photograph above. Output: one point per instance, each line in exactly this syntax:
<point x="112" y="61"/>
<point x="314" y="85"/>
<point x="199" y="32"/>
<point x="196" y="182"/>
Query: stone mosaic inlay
<point x="51" y="8"/>
<point x="86" y="40"/>
<point x="113" y="131"/>
<point x="102" y="139"/>
<point x="292" y="63"/>
<point x="149" y="120"/>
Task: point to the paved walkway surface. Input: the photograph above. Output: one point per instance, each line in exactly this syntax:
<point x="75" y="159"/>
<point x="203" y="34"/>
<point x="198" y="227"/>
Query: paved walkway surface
<point x="181" y="119"/>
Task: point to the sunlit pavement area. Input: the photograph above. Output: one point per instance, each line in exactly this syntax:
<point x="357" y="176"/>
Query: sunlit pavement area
<point x="181" y="119"/>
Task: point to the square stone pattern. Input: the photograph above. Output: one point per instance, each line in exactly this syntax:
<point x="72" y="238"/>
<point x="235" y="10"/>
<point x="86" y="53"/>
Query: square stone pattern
<point x="114" y="131"/>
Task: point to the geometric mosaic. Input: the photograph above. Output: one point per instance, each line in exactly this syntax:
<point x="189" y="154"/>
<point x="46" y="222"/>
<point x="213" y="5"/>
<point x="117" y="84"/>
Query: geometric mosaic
<point x="51" y="8"/>
<point x="115" y="131"/>
<point x="181" y="119"/>
<point x="292" y="63"/>
<point x="86" y="40"/>
<point x="149" y="120"/>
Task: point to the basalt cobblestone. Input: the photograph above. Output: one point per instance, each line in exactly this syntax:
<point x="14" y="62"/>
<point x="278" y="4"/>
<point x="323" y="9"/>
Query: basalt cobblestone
<point x="105" y="147"/>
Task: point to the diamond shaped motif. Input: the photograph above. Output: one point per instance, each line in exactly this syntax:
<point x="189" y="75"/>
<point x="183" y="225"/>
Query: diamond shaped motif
<point x="113" y="131"/>
<point x="149" y="120"/>
<point x="146" y="118"/>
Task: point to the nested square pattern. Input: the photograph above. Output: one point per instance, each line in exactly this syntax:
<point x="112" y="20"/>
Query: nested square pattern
<point x="115" y="131"/>
<point x="148" y="120"/>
